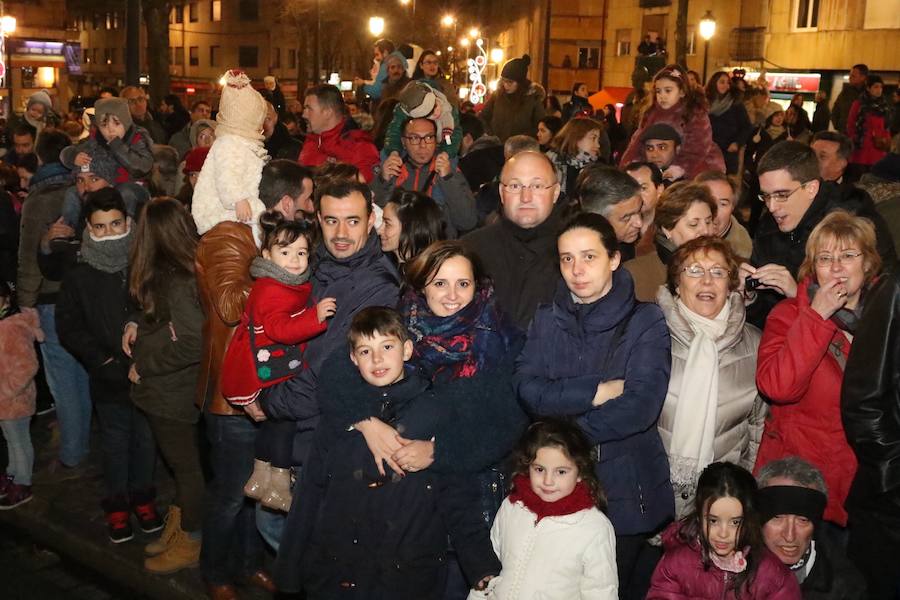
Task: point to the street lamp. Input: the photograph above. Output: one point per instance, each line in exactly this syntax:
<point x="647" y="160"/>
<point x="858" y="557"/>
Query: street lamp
<point x="497" y="55"/>
<point x="474" y="33"/>
<point x="376" y="26"/>
<point x="707" y="31"/>
<point x="464" y="42"/>
<point x="448" y="20"/>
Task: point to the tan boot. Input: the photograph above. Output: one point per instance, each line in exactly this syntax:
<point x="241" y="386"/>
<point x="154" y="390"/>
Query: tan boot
<point x="278" y="494"/>
<point x="259" y="480"/>
<point x="172" y="524"/>
<point x="183" y="552"/>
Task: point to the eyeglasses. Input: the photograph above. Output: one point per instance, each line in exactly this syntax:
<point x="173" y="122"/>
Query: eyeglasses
<point x="430" y="62"/>
<point x="137" y="100"/>
<point x="781" y="195"/>
<point x="416" y="140"/>
<point x="697" y="272"/>
<point x="535" y="188"/>
<point x="826" y="260"/>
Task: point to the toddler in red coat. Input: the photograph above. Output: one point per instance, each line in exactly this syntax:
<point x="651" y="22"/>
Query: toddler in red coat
<point x="267" y="347"/>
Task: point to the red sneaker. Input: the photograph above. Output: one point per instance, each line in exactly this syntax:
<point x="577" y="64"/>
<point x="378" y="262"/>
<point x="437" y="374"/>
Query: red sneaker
<point x="118" y="526"/>
<point x="16" y="495"/>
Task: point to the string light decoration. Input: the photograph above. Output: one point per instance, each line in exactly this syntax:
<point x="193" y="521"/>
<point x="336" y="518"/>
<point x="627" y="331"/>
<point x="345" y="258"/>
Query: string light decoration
<point x="476" y="68"/>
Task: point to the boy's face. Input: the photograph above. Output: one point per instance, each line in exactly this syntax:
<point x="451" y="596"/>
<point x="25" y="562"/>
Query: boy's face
<point x="380" y="358"/>
<point x="106" y="223"/>
<point x="111" y="127"/>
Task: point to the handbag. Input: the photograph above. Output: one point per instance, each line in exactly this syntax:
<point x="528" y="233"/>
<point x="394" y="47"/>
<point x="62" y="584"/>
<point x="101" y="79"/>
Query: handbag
<point x="273" y="361"/>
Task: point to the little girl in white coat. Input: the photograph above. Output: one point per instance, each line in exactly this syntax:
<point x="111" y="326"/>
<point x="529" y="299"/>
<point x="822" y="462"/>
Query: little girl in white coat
<point x="550" y="535"/>
<point x="228" y="186"/>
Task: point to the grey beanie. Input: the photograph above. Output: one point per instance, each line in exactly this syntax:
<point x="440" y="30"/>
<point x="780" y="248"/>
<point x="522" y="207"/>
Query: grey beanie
<point x="41" y="97"/>
<point x="117" y="107"/>
<point x="103" y="164"/>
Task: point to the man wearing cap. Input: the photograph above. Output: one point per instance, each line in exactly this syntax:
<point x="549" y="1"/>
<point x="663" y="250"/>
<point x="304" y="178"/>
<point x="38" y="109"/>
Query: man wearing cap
<point x="423" y="169"/>
<point x="332" y="135"/>
<point x="792" y="498"/>
<point x="660" y="144"/>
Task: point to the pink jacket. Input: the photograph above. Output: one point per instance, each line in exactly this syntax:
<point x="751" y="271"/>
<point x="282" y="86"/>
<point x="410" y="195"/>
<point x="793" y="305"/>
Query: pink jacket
<point x="19" y="365"/>
<point x="697" y="152"/>
<point x="680" y="576"/>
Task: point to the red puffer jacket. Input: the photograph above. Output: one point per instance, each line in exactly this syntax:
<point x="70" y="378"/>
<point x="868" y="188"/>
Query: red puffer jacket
<point x="697" y="152"/>
<point x="344" y="142"/>
<point x="680" y="575"/>
<point x="797" y="370"/>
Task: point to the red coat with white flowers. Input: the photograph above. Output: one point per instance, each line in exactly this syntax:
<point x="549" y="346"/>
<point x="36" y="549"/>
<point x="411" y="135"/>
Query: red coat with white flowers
<point x="280" y="315"/>
<point x="697" y="152"/>
<point x="798" y="371"/>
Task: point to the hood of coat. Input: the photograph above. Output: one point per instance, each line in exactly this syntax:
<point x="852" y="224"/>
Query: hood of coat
<point x="602" y="315"/>
<point x="681" y="330"/>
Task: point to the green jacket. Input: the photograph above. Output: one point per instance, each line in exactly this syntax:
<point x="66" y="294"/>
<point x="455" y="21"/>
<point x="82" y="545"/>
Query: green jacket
<point x="167" y="353"/>
<point x="395" y="129"/>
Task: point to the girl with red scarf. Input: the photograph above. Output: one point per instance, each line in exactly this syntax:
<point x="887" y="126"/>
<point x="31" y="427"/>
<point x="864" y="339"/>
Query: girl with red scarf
<point x="554" y="518"/>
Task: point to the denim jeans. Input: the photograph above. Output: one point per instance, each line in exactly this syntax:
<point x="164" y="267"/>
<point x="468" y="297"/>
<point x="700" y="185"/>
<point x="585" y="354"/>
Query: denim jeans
<point x="270" y="524"/>
<point x="19" y="448"/>
<point x="232" y="547"/>
<point x="129" y="449"/>
<point x="68" y="382"/>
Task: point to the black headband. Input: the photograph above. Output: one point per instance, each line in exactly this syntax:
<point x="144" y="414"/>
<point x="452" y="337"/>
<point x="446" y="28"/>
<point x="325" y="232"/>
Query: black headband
<point x="791" y="500"/>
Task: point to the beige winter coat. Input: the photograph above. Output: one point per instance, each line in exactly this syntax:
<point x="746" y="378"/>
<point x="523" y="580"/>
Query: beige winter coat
<point x="18" y="334"/>
<point x="741" y="412"/>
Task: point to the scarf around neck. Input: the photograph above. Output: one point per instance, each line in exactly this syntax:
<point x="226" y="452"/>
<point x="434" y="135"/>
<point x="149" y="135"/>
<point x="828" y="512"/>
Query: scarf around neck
<point x="721" y="105"/>
<point x="108" y="254"/>
<point x="580" y="499"/>
<point x="261" y="267"/>
<point x="694" y="429"/>
<point x="458" y="346"/>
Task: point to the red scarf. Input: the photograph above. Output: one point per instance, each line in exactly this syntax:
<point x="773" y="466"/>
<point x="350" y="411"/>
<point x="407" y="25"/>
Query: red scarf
<point x="579" y="499"/>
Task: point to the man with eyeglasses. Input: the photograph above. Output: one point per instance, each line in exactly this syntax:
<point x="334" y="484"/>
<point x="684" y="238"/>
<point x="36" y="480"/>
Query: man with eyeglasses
<point x="424" y="169"/>
<point x="518" y="251"/>
<point x="797" y="200"/>
<point x="141" y="115"/>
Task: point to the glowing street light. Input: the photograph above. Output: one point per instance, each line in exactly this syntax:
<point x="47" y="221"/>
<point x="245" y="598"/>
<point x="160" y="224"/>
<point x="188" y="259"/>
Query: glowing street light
<point x="448" y="20"/>
<point x="474" y="33"/>
<point x="707" y="31"/>
<point x="376" y="26"/>
<point x="497" y="55"/>
<point x="464" y="42"/>
<point x="7" y="24"/>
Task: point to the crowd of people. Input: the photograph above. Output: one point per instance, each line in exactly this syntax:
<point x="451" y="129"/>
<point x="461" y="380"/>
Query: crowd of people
<point x="432" y="350"/>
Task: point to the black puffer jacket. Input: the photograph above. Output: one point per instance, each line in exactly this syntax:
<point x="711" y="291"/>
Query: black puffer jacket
<point x="833" y="576"/>
<point x="771" y="245"/>
<point x="356" y="534"/>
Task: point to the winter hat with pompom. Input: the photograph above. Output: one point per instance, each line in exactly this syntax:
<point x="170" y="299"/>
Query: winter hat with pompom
<point x="242" y="109"/>
<point x="517" y="69"/>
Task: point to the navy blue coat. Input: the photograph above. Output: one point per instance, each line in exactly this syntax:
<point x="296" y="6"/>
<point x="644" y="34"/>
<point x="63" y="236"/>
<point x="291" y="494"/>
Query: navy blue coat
<point x="368" y="278"/>
<point x="558" y="373"/>
<point x="352" y="533"/>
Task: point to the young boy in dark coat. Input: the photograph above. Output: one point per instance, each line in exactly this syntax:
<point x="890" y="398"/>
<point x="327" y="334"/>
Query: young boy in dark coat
<point x="361" y="530"/>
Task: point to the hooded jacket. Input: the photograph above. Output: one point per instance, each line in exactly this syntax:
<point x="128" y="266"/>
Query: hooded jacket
<point x="800" y="375"/>
<point x="345" y="142"/>
<point x="680" y="575"/>
<point x="569" y="352"/>
<point x="506" y="115"/>
<point x="368" y="278"/>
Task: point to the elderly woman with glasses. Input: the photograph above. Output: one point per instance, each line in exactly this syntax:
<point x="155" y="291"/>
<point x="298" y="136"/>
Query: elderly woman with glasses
<point x="712" y="411"/>
<point x="804" y="350"/>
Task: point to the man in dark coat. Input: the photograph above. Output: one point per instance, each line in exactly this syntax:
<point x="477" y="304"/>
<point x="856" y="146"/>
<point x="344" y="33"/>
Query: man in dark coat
<point x="870" y="408"/>
<point x="279" y="143"/>
<point x="798" y="200"/>
<point x="822" y="114"/>
<point x="350" y="267"/>
<point x="792" y="501"/>
<point x="850" y="92"/>
<point x="519" y="250"/>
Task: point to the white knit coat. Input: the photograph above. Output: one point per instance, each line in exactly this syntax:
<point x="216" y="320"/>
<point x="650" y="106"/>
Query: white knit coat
<point x="570" y="557"/>
<point x="231" y="172"/>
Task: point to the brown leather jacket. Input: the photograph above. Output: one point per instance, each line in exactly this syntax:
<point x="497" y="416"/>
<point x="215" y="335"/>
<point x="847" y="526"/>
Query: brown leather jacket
<point x="222" y="264"/>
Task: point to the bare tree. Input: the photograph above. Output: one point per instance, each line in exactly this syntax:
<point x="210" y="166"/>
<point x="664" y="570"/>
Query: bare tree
<point x="681" y="41"/>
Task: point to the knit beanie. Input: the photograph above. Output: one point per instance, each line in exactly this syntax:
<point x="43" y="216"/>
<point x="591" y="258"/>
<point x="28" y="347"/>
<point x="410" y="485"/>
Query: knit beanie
<point x="40" y="97"/>
<point x="242" y="109"/>
<point x="417" y="99"/>
<point x="103" y="164"/>
<point x="198" y="126"/>
<point x="396" y="57"/>
<point x="117" y="107"/>
<point x="194" y="159"/>
<point x="516" y="69"/>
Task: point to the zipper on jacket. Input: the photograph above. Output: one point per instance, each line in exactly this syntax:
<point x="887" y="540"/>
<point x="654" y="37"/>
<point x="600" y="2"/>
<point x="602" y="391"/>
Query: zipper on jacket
<point x="641" y="500"/>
